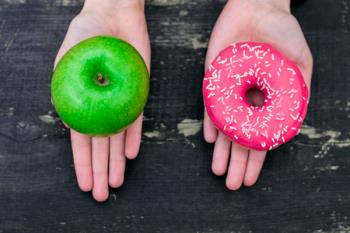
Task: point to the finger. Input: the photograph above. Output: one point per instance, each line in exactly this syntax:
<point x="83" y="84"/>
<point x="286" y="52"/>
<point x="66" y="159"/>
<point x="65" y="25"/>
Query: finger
<point x="221" y="154"/>
<point x="81" y="147"/>
<point x="100" y="151"/>
<point x="209" y="129"/>
<point x="133" y="138"/>
<point x="236" y="170"/>
<point x="254" y="165"/>
<point x="116" y="160"/>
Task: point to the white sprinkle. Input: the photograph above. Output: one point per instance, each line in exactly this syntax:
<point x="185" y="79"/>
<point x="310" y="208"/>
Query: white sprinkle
<point x="294" y="117"/>
<point x="233" y="128"/>
<point x="293" y="91"/>
<point x="265" y="134"/>
<point x="211" y="67"/>
<point x="224" y="89"/>
<point x="245" y="56"/>
<point x="223" y="61"/>
<point x="291" y="70"/>
<point x="211" y="94"/>
<point x="257" y="71"/>
<point x="257" y="54"/>
<point x="277" y="135"/>
<point x="250" y="112"/>
<point x="297" y="105"/>
<point x="246" y="46"/>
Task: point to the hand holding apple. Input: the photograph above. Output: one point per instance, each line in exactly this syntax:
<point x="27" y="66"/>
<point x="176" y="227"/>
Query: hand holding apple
<point x="99" y="160"/>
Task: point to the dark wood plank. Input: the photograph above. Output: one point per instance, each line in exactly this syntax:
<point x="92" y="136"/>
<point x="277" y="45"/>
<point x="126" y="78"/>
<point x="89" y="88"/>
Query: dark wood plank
<point x="304" y="186"/>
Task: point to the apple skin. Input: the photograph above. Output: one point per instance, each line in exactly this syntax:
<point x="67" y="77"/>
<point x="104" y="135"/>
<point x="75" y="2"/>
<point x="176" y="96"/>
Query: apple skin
<point x="94" y="107"/>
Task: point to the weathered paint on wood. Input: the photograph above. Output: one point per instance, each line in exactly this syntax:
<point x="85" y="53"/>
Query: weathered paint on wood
<point x="304" y="186"/>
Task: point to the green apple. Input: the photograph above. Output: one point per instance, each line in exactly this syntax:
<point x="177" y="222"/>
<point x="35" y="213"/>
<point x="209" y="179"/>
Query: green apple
<point x="100" y="86"/>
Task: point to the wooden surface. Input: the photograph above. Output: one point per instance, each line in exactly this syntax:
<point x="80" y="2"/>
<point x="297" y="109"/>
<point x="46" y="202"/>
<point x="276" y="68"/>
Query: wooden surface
<point x="304" y="186"/>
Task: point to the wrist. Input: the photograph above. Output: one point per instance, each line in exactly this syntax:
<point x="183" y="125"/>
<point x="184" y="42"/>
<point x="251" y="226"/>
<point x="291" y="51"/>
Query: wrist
<point x="106" y="6"/>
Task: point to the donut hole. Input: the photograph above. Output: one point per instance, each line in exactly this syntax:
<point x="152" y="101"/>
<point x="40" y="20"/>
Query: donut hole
<point x="255" y="97"/>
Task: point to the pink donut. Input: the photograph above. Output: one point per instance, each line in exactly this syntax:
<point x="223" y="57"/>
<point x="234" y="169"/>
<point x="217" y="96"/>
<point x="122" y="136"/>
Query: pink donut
<point x="247" y="65"/>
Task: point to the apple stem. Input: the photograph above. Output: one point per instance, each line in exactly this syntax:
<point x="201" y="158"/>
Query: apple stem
<point x="100" y="78"/>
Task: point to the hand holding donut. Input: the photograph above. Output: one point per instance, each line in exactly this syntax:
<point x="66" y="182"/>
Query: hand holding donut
<point x="267" y="22"/>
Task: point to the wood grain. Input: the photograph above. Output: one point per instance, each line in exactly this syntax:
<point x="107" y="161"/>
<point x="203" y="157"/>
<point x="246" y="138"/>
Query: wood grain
<point x="304" y="186"/>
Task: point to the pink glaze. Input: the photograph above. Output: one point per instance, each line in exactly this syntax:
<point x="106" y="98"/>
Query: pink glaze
<point x="240" y="67"/>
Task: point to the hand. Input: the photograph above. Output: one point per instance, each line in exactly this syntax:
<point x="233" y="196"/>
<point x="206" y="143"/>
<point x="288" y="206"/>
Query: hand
<point x="268" y="21"/>
<point x="100" y="161"/>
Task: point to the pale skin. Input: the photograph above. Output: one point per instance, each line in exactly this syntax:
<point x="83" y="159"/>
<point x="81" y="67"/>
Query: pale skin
<point x="268" y="21"/>
<point x="100" y="161"/>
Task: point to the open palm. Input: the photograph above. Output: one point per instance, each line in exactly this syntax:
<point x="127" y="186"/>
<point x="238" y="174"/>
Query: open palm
<point x="259" y="21"/>
<point x="100" y="161"/>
